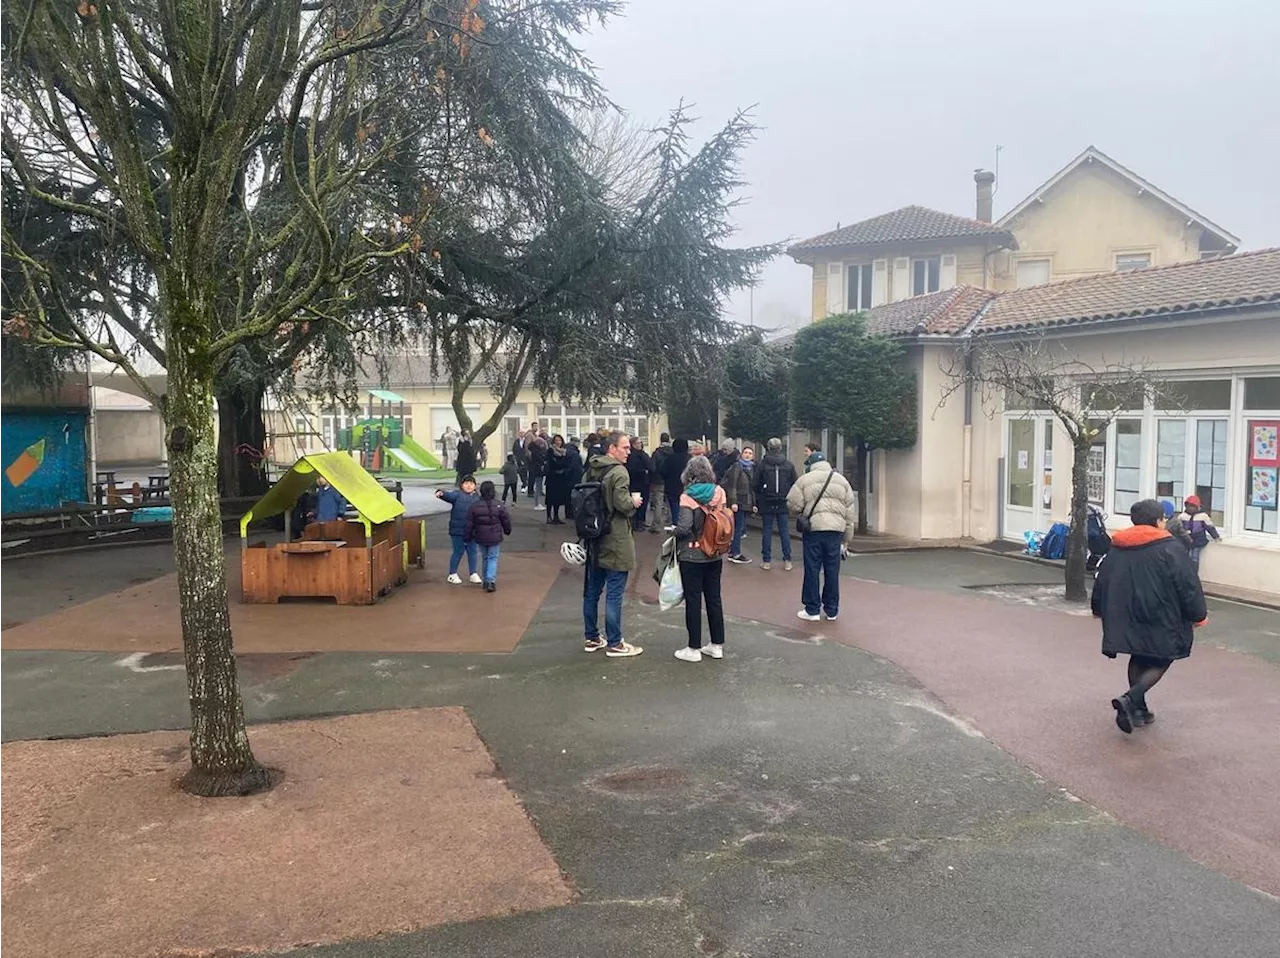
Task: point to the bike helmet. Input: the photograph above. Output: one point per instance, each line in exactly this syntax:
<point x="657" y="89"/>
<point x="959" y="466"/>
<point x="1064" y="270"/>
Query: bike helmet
<point x="573" y="553"/>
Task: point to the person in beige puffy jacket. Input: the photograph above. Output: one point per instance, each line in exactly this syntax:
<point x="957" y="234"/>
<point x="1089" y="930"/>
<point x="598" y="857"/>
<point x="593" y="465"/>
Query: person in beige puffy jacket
<point x="825" y="496"/>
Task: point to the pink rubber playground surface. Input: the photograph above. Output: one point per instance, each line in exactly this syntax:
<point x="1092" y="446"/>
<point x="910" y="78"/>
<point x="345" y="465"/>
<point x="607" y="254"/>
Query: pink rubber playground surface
<point x="1204" y="779"/>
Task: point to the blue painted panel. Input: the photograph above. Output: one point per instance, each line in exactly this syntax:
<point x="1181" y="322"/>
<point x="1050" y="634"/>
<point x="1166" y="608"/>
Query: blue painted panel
<point x="61" y="477"/>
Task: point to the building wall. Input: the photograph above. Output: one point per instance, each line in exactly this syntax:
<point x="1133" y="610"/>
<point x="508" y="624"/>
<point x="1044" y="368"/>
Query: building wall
<point x="1239" y="348"/>
<point x="1086" y="219"/>
<point x="129" y="436"/>
<point x="970" y="269"/>
<point x="431" y="411"/>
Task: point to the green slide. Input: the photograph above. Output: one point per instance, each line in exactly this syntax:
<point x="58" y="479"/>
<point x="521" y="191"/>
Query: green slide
<point x="419" y="454"/>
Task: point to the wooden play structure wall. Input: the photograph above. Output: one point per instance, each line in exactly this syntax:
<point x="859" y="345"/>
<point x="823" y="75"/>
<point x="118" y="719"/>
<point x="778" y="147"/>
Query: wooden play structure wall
<point x="317" y="566"/>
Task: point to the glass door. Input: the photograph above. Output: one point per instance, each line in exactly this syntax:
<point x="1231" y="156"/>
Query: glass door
<point x="1028" y="487"/>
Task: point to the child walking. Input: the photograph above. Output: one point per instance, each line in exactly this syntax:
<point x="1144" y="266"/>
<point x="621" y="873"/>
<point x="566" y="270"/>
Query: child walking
<point x="510" y="479"/>
<point x="1199" y="524"/>
<point x="461" y="499"/>
<point x="487" y="522"/>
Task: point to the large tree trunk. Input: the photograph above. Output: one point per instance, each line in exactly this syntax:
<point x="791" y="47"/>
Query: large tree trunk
<point x="240" y="423"/>
<point x="1078" y="540"/>
<point x="221" y="760"/>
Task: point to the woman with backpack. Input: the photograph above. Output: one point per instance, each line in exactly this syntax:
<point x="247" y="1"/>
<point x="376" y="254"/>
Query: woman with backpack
<point x="487" y="522"/>
<point x="703" y="534"/>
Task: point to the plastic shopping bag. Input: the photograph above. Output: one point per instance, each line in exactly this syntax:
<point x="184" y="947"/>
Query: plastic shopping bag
<point x="670" y="589"/>
<point x="1034" y="538"/>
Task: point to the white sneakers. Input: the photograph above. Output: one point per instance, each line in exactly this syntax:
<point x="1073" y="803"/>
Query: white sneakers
<point x="696" y="655"/>
<point x="786" y="565"/>
<point x="475" y="578"/>
<point x="453" y="579"/>
<point x="802" y="614"/>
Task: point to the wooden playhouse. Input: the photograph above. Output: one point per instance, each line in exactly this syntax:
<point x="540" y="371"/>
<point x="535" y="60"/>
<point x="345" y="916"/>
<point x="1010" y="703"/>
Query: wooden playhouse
<point x="354" y="561"/>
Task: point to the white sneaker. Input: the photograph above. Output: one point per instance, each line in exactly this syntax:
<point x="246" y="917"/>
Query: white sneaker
<point x="787" y="565"/>
<point x="453" y="579"/>
<point x="832" y="618"/>
<point x="802" y="614"/>
<point x="766" y="566"/>
<point x="475" y="578"/>
<point x="714" y="651"/>
<point x="689" y="655"/>
<point x="623" y="650"/>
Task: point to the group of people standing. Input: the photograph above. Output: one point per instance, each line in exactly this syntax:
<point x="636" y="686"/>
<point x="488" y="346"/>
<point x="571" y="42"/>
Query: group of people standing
<point x="546" y="468"/>
<point x="707" y="504"/>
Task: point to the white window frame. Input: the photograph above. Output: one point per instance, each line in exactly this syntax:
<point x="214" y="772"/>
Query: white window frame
<point x="1048" y="267"/>
<point x="1122" y="254"/>
<point x="934" y="262"/>
<point x="859" y="282"/>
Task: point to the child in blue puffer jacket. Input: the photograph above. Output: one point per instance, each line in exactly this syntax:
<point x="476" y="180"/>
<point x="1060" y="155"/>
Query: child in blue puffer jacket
<point x="462" y="500"/>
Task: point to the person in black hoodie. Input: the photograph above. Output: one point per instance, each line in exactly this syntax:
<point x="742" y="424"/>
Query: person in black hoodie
<point x="1149" y="599"/>
<point x="639" y="469"/>
<point x="672" y="469"/>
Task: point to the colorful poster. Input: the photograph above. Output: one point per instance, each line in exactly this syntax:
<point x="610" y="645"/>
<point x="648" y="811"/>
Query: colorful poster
<point x="1264" y="443"/>
<point x="1262" y="487"/>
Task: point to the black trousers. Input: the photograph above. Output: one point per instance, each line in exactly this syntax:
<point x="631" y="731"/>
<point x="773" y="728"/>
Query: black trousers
<point x="701" y="581"/>
<point x="509" y="487"/>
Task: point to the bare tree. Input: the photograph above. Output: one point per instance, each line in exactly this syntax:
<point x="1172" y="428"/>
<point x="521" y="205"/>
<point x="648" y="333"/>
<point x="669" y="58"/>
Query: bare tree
<point x="228" y="151"/>
<point x="1044" y="374"/>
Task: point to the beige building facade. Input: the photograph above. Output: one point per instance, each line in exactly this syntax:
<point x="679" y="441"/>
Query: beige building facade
<point x="1113" y="271"/>
<point x="298" y="426"/>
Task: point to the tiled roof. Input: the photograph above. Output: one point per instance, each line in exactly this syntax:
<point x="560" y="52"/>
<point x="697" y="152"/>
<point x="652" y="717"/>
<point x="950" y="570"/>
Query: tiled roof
<point x="948" y="311"/>
<point x="909" y="224"/>
<point x="1243" y="279"/>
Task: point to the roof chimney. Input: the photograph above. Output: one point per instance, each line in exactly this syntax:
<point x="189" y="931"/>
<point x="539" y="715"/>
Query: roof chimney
<point x="985" y="180"/>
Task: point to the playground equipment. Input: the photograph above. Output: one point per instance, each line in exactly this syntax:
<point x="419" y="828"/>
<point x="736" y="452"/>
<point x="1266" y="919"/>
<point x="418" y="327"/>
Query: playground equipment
<point x="355" y="562"/>
<point x="381" y="439"/>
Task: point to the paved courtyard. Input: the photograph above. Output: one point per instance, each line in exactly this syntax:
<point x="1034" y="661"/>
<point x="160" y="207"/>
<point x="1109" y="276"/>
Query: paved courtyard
<point x="936" y="773"/>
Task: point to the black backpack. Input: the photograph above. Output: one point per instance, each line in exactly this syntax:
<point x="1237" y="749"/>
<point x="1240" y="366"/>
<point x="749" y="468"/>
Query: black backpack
<point x="591" y="513"/>
<point x="771" y="485"/>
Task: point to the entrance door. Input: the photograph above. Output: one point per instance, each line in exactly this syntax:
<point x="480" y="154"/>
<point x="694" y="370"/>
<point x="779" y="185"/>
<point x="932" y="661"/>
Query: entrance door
<point x="1028" y="491"/>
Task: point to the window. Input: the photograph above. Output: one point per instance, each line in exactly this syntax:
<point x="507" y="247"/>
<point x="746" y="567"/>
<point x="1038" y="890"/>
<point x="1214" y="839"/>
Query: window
<point x="1096" y="468"/>
<point x="1128" y="479"/>
<point x="1131" y="261"/>
<point x="1262" y="394"/>
<point x="1032" y="272"/>
<point x="1211" y="466"/>
<point x="859" y="292"/>
<point x="1197" y="394"/>
<point x="926" y="275"/>
<point x="1102" y="397"/>
<point x="1171" y="460"/>
<point x="301" y="439"/>
<point x="1021" y="465"/>
<point x="1262" y="475"/>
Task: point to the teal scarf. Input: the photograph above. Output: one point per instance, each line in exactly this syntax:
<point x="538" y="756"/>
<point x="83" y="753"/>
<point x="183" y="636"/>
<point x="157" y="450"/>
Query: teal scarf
<point x="701" y="492"/>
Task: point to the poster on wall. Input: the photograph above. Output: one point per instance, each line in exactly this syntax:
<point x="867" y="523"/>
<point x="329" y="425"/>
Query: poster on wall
<point x="1264" y="443"/>
<point x="1262" y="487"/>
<point x="1024" y="459"/>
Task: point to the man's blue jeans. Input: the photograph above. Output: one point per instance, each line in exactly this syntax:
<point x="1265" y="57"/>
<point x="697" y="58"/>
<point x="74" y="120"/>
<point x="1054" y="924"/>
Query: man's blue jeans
<point x="739" y="527"/>
<point x="491" y="554"/>
<point x="473" y="555"/>
<point x="822" y="556"/>
<point x="784" y="531"/>
<point x="613" y="584"/>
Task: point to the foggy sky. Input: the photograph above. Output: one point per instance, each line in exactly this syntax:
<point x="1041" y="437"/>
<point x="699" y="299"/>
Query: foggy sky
<point x="866" y="107"/>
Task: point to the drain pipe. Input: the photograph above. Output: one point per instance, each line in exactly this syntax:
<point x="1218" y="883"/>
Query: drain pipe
<point x="966" y="482"/>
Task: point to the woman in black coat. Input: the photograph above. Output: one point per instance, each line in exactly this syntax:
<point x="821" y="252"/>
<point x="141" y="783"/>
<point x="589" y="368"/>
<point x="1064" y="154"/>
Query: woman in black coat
<point x="465" y="461"/>
<point x="1149" y="599"/>
<point x="672" y="468"/>
<point x="558" y="468"/>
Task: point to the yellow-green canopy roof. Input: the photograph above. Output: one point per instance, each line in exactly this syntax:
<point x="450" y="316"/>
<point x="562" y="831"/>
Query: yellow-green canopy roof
<point x="346" y="475"/>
